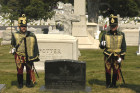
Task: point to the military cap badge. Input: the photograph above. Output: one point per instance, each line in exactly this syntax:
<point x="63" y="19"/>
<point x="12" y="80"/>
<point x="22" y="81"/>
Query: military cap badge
<point x="113" y="20"/>
<point x="22" y="21"/>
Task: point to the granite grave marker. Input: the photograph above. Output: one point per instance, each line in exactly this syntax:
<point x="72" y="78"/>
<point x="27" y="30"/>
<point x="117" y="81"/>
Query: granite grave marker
<point x="65" y="75"/>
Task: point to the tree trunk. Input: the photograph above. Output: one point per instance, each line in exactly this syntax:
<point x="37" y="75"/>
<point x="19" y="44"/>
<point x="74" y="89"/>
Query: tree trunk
<point x="93" y="10"/>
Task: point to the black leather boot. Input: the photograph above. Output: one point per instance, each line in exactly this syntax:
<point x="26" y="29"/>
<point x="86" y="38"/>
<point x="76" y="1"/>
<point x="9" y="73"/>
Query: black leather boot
<point x="108" y="80"/>
<point x="114" y="79"/>
<point x="20" y="80"/>
<point x="28" y="81"/>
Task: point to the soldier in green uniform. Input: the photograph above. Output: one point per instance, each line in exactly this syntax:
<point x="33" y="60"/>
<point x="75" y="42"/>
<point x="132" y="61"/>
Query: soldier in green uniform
<point x="25" y="50"/>
<point x="114" y="45"/>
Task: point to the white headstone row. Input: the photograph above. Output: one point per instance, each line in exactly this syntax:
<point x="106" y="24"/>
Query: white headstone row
<point x="7" y="22"/>
<point x="4" y="22"/>
<point x="131" y="36"/>
<point x="6" y="36"/>
<point x="129" y="26"/>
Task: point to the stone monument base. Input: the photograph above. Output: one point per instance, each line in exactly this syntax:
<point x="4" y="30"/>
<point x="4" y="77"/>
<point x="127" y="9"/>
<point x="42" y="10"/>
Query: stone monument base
<point x="86" y="90"/>
<point x="87" y="42"/>
<point x="2" y="86"/>
<point x="131" y="36"/>
<point x="56" y="46"/>
<point x="5" y="42"/>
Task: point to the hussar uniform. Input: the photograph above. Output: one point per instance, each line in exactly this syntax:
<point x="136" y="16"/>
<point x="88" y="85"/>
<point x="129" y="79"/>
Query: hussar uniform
<point x="114" y="48"/>
<point x="26" y="52"/>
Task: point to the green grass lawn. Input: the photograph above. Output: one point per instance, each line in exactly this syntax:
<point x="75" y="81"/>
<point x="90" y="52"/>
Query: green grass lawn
<point x="95" y="72"/>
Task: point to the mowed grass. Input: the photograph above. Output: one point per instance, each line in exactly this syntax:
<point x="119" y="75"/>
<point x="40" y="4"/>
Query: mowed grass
<point x="95" y="72"/>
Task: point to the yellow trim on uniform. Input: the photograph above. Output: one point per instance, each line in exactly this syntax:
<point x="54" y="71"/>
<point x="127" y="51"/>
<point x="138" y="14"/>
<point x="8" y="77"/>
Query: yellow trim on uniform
<point x="33" y="58"/>
<point x="20" y="54"/>
<point x="112" y="16"/>
<point x="30" y="45"/>
<point x="114" y="50"/>
<point x="123" y="53"/>
<point x="113" y="42"/>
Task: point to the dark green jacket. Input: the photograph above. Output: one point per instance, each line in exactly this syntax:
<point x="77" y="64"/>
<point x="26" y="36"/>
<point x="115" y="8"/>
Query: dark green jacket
<point x="108" y="37"/>
<point x="17" y="41"/>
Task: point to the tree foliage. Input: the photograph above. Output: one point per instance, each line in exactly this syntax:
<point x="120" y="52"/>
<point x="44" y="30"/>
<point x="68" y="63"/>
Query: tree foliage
<point x="126" y="8"/>
<point x="42" y="9"/>
<point x="34" y="9"/>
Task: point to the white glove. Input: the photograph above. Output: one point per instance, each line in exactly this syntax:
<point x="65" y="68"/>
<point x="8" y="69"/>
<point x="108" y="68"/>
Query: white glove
<point x="103" y="43"/>
<point x="13" y="50"/>
<point x="119" y="60"/>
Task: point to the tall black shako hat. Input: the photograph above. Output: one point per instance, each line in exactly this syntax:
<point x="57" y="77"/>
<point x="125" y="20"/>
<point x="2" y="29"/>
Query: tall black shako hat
<point x="113" y="19"/>
<point x="22" y="21"/>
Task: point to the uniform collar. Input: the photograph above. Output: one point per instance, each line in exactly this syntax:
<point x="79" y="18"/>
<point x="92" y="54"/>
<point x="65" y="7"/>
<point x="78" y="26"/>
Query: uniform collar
<point x="23" y="33"/>
<point x="114" y="32"/>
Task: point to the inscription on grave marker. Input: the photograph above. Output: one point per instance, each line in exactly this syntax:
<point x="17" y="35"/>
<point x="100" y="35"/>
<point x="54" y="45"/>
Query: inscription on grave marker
<point x="65" y="74"/>
<point x="53" y="46"/>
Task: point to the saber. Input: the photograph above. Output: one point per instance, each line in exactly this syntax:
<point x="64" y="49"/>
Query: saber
<point x="35" y="70"/>
<point x="121" y="74"/>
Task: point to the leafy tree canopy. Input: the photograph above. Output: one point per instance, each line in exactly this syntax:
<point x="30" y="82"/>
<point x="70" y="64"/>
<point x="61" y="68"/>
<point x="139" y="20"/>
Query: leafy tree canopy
<point x="34" y="9"/>
<point x="126" y="8"/>
<point x="42" y="9"/>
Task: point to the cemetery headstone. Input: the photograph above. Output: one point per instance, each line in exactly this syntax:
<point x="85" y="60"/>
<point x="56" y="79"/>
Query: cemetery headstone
<point x="53" y="31"/>
<point x="50" y="29"/>
<point x="97" y="34"/>
<point x="15" y="23"/>
<point x="65" y="75"/>
<point x="39" y="31"/>
<point x="33" y="30"/>
<point x="42" y="22"/>
<point x="54" y="46"/>
<point x="131" y="36"/>
<point x="51" y="22"/>
<point x="7" y="36"/>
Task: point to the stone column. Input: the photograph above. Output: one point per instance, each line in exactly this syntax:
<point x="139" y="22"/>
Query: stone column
<point x="80" y="7"/>
<point x="80" y="28"/>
